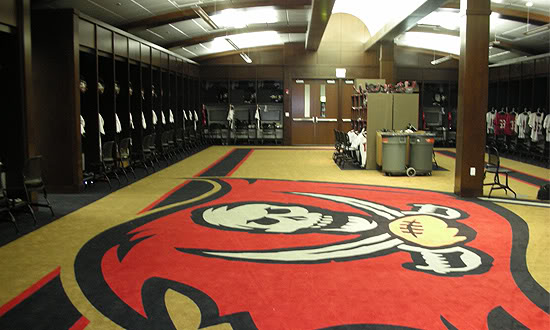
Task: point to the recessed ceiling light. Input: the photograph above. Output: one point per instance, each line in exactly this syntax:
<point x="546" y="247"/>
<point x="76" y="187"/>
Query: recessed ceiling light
<point x="529" y="4"/>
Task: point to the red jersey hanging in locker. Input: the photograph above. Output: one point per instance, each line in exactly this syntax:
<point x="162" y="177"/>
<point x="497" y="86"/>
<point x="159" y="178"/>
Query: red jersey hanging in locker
<point x="510" y="123"/>
<point x="500" y="122"/>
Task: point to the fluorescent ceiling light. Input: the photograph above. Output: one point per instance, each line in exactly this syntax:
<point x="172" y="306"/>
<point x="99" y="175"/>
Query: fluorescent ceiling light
<point x="179" y="30"/>
<point x="232" y="43"/>
<point x="202" y="14"/>
<point x="537" y="30"/>
<point x="432" y="41"/>
<point x="500" y="54"/>
<point x="247" y="40"/>
<point x="331" y="81"/>
<point x="441" y="60"/>
<point x="240" y="18"/>
<point x="187" y="50"/>
<point x="375" y="14"/>
<point x="529" y="4"/>
<point x="349" y="82"/>
<point x="246" y="58"/>
<point x="299" y="81"/>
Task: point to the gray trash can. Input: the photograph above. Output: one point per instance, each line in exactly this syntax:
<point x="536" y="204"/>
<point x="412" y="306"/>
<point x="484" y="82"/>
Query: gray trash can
<point x="393" y="153"/>
<point x="421" y="151"/>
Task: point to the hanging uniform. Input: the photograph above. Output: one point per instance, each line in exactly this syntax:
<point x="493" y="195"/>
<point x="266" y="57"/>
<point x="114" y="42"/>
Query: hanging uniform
<point x="257" y="117"/>
<point x="231" y="116"/>
<point x="510" y="123"/>
<point x="535" y="122"/>
<point x="499" y="123"/>
<point x="196" y="119"/>
<point x="203" y="115"/>
<point x="162" y="118"/>
<point x="546" y="124"/>
<point x="521" y="124"/>
<point x="362" y="142"/>
<point x="102" y="132"/>
<point x="489" y="118"/>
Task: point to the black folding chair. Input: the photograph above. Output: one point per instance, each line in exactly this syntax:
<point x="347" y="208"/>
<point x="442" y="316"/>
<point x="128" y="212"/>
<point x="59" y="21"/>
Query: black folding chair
<point x="107" y="168"/>
<point x="32" y="181"/>
<point x="126" y="162"/>
<point x="493" y="166"/>
<point x="9" y="206"/>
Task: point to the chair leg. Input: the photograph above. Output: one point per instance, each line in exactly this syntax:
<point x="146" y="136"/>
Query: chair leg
<point x="133" y="172"/>
<point x="32" y="213"/>
<point x="47" y="202"/>
<point x="508" y="187"/>
<point x="12" y="218"/>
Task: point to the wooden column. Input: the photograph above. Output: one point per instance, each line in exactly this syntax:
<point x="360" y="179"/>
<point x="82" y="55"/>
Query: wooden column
<point x="386" y="61"/>
<point x="472" y="97"/>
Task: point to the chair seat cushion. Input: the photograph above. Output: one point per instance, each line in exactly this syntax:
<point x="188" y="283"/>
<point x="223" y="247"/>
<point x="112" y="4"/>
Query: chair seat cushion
<point x="33" y="183"/>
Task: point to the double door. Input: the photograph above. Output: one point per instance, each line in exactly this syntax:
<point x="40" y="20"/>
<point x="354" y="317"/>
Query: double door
<point x="317" y="109"/>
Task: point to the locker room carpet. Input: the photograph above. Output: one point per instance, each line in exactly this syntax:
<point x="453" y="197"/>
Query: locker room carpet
<point x="244" y="238"/>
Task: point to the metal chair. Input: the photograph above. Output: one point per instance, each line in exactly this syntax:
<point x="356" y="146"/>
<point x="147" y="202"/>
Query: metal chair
<point x="107" y="167"/>
<point x="8" y="206"/>
<point x="126" y="162"/>
<point x="32" y="181"/>
<point x="493" y="166"/>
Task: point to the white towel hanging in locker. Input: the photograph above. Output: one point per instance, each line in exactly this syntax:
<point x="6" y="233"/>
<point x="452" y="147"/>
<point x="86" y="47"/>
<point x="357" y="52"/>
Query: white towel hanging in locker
<point x="171" y="118"/>
<point x="82" y="125"/>
<point x="143" y="121"/>
<point x="131" y="121"/>
<point x="118" y="124"/>
<point x="155" y="119"/>
<point x="162" y="118"/>
<point x="101" y="125"/>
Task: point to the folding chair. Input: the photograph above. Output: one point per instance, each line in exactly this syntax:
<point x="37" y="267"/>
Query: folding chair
<point x="493" y="166"/>
<point x="8" y="205"/>
<point x="125" y="155"/>
<point x="107" y="167"/>
<point x="32" y="181"/>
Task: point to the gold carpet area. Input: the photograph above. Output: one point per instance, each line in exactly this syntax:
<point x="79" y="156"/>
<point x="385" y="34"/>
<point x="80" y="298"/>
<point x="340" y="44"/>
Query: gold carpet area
<point x="27" y="260"/>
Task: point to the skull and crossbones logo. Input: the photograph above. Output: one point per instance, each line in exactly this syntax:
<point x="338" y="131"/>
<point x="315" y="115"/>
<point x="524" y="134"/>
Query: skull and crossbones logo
<point x="428" y="232"/>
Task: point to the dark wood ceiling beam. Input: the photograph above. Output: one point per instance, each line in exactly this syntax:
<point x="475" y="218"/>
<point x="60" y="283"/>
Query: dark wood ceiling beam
<point x="320" y="15"/>
<point x="213" y="35"/>
<point x="403" y="22"/>
<point x="510" y="14"/>
<point x="188" y="13"/>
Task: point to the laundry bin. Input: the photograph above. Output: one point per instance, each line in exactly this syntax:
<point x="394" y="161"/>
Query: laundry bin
<point x="394" y="153"/>
<point x="421" y="151"/>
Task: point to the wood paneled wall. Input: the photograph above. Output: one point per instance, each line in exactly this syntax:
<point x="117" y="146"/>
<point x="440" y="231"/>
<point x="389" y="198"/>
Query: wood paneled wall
<point x="57" y="97"/>
<point x="8" y="12"/>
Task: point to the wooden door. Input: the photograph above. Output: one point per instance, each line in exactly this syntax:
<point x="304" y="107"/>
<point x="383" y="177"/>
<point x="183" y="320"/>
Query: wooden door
<point x="315" y="111"/>
<point x="303" y="130"/>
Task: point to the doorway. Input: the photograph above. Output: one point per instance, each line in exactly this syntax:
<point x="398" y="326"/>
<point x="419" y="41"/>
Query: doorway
<point x="318" y="107"/>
